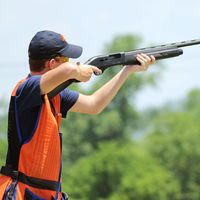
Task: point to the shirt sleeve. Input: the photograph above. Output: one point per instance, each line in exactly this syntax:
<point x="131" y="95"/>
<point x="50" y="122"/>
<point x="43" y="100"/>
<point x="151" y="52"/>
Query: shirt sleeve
<point x="68" y="99"/>
<point x="28" y="94"/>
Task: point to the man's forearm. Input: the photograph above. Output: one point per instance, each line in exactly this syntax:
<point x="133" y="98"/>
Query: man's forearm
<point x="55" y="77"/>
<point x="104" y="95"/>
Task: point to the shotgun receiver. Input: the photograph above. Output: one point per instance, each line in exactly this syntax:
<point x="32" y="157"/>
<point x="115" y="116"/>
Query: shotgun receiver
<point x="129" y="58"/>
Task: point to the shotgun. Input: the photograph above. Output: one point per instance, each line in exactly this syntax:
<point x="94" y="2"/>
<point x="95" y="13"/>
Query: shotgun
<point x="129" y="58"/>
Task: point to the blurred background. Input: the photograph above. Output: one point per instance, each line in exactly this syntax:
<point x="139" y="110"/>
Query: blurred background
<point x="145" y="145"/>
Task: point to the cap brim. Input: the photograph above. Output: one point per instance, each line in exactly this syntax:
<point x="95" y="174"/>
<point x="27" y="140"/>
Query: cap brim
<point x="72" y="51"/>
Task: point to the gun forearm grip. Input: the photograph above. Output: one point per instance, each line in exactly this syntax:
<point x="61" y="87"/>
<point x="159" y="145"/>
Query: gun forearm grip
<point x="130" y="57"/>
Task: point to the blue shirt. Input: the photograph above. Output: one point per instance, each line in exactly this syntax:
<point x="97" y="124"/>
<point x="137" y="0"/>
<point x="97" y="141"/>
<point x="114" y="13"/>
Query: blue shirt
<point x="29" y="101"/>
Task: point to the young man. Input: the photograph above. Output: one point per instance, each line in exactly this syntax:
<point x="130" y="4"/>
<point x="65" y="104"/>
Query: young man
<point x="33" y="164"/>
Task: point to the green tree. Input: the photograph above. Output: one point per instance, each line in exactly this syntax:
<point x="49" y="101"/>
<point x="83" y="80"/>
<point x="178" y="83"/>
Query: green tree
<point x="3" y="148"/>
<point x="3" y="130"/>
<point x="174" y="140"/>
<point x="117" y="171"/>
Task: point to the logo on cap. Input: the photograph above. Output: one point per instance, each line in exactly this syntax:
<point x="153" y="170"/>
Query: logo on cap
<point x="62" y="38"/>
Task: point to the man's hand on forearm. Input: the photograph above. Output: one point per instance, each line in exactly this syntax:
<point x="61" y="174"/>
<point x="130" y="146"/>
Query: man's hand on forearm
<point x="145" y="61"/>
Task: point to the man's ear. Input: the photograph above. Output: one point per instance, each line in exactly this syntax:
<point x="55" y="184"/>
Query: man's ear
<point x="51" y="64"/>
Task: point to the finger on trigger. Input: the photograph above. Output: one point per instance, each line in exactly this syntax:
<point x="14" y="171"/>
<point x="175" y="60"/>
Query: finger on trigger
<point x="96" y="70"/>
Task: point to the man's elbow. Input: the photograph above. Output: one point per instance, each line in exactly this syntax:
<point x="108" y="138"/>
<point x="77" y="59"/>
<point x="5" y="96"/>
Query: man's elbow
<point x="96" y="111"/>
<point x="94" y="107"/>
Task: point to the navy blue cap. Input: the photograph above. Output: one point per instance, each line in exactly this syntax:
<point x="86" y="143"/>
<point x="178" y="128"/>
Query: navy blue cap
<point x="49" y="44"/>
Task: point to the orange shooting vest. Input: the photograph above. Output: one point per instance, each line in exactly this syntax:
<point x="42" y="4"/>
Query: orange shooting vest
<point x="33" y="167"/>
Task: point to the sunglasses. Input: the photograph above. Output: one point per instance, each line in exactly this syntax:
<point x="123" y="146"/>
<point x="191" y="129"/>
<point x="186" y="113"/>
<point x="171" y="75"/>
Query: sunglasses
<point x="62" y="59"/>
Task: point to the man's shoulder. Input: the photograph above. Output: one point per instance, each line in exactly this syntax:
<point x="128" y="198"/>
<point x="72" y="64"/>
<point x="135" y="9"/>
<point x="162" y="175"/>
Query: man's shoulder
<point x="28" y="83"/>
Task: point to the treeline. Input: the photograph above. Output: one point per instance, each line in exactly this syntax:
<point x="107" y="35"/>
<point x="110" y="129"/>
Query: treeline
<point x="126" y="154"/>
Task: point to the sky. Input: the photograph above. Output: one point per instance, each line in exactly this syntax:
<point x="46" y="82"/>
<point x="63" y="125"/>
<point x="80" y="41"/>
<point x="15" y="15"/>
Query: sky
<point x="92" y="24"/>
